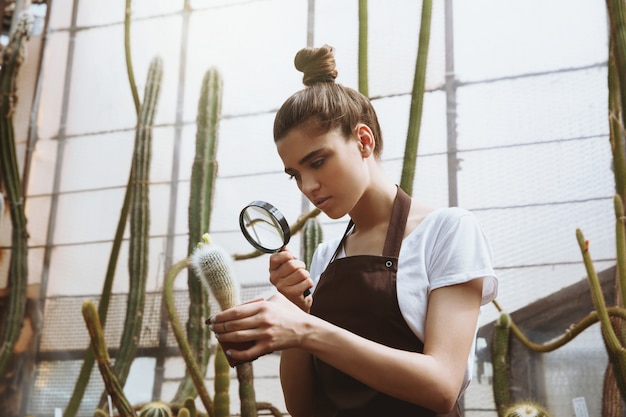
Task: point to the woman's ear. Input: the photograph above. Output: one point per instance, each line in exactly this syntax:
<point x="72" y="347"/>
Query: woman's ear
<point x="366" y="140"/>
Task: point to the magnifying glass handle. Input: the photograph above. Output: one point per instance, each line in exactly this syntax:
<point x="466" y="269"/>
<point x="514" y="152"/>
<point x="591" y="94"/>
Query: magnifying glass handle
<point x="307" y="292"/>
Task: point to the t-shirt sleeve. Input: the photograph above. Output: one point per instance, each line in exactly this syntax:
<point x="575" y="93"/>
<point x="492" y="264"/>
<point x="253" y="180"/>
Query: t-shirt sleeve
<point x="461" y="252"/>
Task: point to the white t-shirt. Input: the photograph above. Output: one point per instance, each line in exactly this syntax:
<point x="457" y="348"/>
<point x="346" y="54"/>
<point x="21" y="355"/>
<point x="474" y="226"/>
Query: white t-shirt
<point x="448" y="247"/>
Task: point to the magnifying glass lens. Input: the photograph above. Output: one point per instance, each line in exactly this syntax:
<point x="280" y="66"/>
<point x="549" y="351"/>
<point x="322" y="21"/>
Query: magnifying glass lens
<point x="264" y="226"/>
<point x="261" y="226"/>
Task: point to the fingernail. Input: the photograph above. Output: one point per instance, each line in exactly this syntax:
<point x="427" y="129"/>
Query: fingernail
<point x="228" y="353"/>
<point x="211" y="327"/>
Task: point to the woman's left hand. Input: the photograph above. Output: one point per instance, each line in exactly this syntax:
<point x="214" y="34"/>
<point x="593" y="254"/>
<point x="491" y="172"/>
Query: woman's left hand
<point x="273" y="324"/>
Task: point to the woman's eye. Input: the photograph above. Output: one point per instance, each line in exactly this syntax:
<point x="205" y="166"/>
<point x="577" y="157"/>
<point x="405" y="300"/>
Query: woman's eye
<point x="317" y="163"/>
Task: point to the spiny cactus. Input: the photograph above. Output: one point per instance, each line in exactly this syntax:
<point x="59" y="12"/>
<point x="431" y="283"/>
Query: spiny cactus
<point x="500" y="352"/>
<point x="99" y="413"/>
<point x="214" y="268"/>
<point x="12" y="59"/>
<point x="202" y="190"/>
<point x="183" y="412"/>
<point x="222" y="384"/>
<point x="181" y="338"/>
<point x="155" y="409"/>
<point x="417" y="100"/>
<point x="526" y="409"/>
<point x="139" y="224"/>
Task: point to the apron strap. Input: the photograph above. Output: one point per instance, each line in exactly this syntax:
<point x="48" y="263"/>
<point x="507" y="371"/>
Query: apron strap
<point x="397" y="224"/>
<point x="395" y="230"/>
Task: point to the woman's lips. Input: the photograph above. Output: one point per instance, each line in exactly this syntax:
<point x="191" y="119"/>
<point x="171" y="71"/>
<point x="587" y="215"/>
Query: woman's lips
<point x="320" y="203"/>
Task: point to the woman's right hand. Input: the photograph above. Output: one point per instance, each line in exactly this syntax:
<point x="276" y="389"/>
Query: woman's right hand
<point x="290" y="277"/>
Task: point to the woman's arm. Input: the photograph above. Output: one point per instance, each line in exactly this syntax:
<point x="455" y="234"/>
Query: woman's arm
<point x="296" y="378"/>
<point x="432" y="379"/>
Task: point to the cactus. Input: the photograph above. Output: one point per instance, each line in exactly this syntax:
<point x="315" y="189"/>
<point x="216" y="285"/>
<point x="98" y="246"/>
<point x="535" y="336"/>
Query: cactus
<point x="222" y="384"/>
<point x="183" y="412"/>
<point x="190" y="405"/>
<point x="185" y="350"/>
<point x="312" y="236"/>
<point x="363" y="41"/>
<point x="213" y="266"/>
<point x="500" y="351"/>
<point x="525" y="409"/>
<point x="103" y="306"/>
<point x="139" y="223"/>
<point x="614" y="346"/>
<point x="98" y="346"/>
<point x="12" y="58"/>
<point x="155" y="409"/>
<point x="203" y="177"/>
<point x="417" y="101"/>
<point x="99" y="413"/>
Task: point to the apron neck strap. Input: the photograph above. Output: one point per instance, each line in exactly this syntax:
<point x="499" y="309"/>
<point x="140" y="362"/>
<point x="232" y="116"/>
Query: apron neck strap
<point x="395" y="231"/>
<point x="397" y="224"/>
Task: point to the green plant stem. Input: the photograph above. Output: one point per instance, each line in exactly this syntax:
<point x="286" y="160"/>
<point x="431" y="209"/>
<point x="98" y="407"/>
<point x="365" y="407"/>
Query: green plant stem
<point x="417" y="101"/>
<point x="139" y="225"/>
<point x="574" y="330"/>
<point x="98" y="345"/>
<point x="192" y="365"/>
<point x="9" y="174"/>
<point x="247" y="395"/>
<point x="129" y="64"/>
<point x="363" y="44"/>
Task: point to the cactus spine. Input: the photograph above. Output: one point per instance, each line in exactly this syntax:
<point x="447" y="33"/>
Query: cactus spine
<point x="98" y="346"/>
<point x="12" y="58"/>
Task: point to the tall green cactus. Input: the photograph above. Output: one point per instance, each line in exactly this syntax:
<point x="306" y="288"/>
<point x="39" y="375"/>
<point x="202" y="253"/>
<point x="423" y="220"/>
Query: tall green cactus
<point x="139" y="223"/>
<point x="82" y="381"/>
<point x="363" y="45"/>
<point x="417" y="100"/>
<point x="9" y="175"/>
<point x="203" y="178"/>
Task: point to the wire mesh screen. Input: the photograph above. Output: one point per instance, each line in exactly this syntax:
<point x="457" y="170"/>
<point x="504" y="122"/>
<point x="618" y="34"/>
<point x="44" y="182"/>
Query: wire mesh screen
<point x="65" y="338"/>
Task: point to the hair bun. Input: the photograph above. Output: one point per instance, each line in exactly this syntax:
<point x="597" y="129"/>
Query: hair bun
<point x="317" y="64"/>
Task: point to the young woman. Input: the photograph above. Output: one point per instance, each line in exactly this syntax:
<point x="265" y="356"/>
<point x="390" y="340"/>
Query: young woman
<point x="389" y="329"/>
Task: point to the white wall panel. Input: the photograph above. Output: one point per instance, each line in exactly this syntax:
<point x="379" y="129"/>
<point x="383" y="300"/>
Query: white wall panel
<point x="497" y="39"/>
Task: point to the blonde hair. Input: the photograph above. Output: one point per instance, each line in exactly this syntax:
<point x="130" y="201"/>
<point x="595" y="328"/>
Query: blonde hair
<point x="324" y="103"/>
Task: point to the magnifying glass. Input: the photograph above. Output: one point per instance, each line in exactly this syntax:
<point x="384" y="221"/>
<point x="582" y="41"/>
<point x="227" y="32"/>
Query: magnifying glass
<point x="265" y="227"/>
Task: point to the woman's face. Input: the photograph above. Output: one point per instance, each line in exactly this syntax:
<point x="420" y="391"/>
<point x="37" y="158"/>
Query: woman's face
<point x="330" y="170"/>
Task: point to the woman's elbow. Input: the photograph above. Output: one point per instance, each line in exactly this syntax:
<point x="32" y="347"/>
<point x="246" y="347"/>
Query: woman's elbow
<point x="445" y="400"/>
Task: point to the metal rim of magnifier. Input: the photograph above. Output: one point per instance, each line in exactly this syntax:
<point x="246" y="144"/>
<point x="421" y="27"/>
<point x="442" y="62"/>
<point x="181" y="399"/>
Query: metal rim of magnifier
<point x="276" y="214"/>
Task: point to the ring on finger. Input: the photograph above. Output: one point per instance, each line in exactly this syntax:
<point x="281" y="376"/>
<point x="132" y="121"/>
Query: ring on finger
<point x="224" y="327"/>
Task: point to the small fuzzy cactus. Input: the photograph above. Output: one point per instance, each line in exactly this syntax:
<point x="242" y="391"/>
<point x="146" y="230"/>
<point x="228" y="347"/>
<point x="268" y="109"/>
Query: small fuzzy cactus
<point x="155" y="409"/>
<point x="526" y="409"/>
<point x="214" y="268"/>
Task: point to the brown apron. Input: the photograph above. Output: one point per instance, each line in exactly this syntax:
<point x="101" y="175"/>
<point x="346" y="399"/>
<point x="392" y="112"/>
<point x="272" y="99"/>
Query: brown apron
<point x="358" y="293"/>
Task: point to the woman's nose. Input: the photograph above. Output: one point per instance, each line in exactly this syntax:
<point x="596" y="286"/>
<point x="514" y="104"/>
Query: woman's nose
<point x="309" y="183"/>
